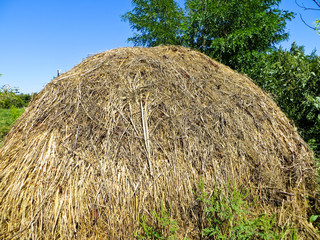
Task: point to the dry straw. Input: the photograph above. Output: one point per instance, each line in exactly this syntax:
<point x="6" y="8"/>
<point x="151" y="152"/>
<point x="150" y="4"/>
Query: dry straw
<point x="106" y="142"/>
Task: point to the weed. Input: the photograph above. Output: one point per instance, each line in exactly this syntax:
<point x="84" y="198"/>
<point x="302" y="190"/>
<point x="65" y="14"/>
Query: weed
<point x="315" y="220"/>
<point x="165" y="228"/>
<point x="231" y="216"/>
<point x="227" y="216"/>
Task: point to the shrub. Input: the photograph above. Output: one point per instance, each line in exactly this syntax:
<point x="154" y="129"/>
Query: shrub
<point x="164" y="228"/>
<point x="231" y="216"/>
<point x="10" y="97"/>
<point x="293" y="78"/>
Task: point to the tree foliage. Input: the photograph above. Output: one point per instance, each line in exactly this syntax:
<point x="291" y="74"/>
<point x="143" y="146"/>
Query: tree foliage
<point x="293" y="78"/>
<point x="233" y="32"/>
<point x="155" y="22"/>
<point x="10" y="97"/>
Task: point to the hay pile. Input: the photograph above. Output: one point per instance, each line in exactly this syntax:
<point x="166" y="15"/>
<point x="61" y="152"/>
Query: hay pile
<point x="106" y="142"/>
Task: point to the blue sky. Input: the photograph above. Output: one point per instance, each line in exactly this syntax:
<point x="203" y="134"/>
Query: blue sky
<point x="40" y="36"/>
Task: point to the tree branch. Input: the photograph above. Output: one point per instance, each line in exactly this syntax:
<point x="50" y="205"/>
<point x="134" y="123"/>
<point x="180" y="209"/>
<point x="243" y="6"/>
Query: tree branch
<point x="307" y="8"/>
<point x="313" y="28"/>
<point x="317" y="3"/>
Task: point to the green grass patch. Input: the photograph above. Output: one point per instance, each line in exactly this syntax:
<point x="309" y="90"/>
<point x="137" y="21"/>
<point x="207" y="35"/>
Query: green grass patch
<point x="231" y="216"/>
<point x="7" y="118"/>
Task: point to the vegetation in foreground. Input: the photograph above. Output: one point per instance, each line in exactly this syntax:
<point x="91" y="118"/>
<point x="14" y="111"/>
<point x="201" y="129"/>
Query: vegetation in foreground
<point x="225" y="217"/>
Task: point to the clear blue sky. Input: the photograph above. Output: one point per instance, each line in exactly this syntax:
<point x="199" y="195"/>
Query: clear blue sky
<point x="40" y="36"/>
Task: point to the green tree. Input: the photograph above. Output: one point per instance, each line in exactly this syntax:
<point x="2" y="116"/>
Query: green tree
<point x="155" y="22"/>
<point x="233" y="32"/>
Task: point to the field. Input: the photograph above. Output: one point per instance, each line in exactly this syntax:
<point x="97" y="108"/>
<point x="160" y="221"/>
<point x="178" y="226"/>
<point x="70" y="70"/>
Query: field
<point x="7" y="118"/>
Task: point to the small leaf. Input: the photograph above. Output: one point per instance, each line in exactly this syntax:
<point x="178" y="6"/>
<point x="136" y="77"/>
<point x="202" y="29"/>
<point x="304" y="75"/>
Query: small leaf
<point x="313" y="218"/>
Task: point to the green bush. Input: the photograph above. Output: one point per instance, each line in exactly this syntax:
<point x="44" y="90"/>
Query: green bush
<point x="293" y="78"/>
<point x="164" y="228"/>
<point x="231" y="216"/>
<point x="10" y="97"/>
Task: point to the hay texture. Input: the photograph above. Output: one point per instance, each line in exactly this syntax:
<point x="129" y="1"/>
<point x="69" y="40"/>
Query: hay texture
<point x="128" y="129"/>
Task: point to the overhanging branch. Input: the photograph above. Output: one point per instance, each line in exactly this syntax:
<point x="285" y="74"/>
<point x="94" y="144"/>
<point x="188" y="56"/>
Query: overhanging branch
<point x="317" y="4"/>
<point x="308" y="8"/>
<point x="306" y="23"/>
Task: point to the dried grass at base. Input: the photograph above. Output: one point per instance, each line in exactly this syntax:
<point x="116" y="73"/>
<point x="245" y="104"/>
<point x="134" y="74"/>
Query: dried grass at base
<point x="106" y="142"/>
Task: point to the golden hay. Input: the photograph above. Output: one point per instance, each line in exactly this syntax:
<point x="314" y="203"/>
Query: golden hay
<point x="106" y="142"/>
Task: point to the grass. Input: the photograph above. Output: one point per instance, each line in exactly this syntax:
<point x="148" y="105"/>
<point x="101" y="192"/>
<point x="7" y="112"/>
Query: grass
<point x="164" y="228"/>
<point x="225" y="217"/>
<point x="233" y="216"/>
<point x="7" y="118"/>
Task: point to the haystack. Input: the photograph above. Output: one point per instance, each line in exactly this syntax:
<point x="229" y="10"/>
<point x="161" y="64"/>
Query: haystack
<point x="128" y="129"/>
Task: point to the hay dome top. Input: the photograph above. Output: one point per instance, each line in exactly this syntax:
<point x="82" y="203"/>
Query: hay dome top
<point x="131" y="127"/>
